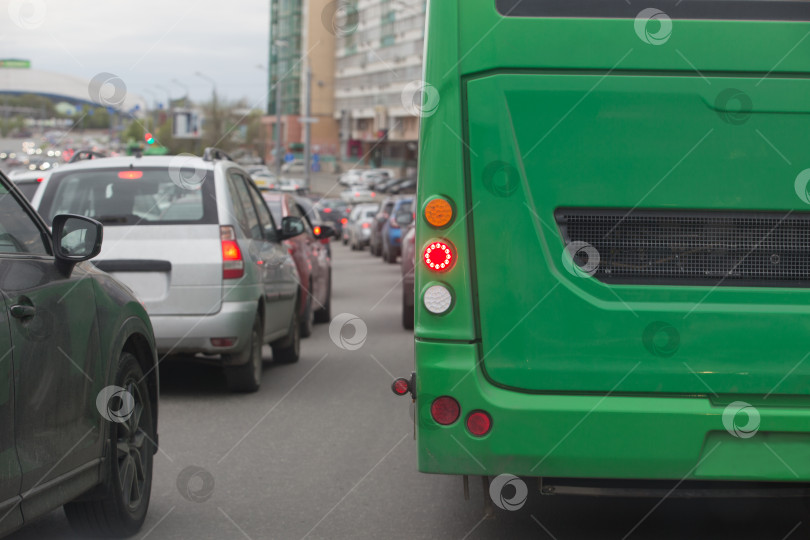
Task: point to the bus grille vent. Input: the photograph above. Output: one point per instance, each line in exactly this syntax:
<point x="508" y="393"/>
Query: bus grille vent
<point x="746" y="249"/>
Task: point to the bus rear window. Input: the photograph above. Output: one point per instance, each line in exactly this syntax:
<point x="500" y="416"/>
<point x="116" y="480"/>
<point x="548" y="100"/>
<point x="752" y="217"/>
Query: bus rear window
<point x="774" y="10"/>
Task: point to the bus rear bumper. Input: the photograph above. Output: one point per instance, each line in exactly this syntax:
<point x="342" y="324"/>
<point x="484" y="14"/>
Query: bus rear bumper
<point x="604" y="436"/>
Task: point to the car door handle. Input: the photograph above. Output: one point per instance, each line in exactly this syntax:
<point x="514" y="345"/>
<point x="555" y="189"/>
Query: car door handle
<point x="23" y="311"/>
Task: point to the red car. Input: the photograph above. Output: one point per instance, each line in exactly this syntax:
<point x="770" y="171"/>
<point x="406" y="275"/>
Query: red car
<point x="310" y="250"/>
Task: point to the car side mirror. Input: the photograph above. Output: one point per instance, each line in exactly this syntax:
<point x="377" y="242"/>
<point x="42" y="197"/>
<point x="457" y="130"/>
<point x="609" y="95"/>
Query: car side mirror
<point x="291" y="226"/>
<point x="323" y="232"/>
<point x="404" y="218"/>
<point x="75" y="239"/>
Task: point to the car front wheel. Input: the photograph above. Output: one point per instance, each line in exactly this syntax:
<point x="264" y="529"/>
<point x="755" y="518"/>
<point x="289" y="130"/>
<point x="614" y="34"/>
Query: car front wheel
<point x="118" y="508"/>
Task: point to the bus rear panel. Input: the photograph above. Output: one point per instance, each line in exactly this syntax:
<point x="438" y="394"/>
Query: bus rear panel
<point x="630" y="240"/>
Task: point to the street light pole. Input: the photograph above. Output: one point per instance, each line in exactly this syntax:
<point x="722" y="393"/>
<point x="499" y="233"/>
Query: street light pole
<point x="279" y="43"/>
<point x="308" y="127"/>
<point x="214" y="102"/>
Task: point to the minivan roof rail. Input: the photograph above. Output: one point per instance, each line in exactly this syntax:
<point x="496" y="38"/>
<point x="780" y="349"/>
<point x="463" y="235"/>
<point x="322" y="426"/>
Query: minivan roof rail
<point x="81" y="155"/>
<point x="214" y="154"/>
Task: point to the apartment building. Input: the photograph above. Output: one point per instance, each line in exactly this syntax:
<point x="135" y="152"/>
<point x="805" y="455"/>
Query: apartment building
<point x="300" y="41"/>
<point x="379" y="54"/>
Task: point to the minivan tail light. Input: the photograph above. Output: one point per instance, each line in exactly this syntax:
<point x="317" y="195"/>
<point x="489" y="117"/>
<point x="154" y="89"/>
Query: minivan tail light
<point x="233" y="266"/>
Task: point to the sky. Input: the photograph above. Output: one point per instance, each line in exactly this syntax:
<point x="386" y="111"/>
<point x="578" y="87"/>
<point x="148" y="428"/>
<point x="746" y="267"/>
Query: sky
<point x="147" y="44"/>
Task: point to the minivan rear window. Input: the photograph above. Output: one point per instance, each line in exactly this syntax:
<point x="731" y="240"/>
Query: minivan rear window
<point x="766" y="10"/>
<point x="146" y="196"/>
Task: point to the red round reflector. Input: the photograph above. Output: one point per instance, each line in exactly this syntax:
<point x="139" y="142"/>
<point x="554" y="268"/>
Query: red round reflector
<point x="479" y="423"/>
<point x="439" y="256"/>
<point x="445" y="410"/>
<point x="401" y="386"/>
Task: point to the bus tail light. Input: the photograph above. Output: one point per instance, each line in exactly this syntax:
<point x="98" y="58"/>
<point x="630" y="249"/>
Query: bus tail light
<point x="233" y="266"/>
<point x="479" y="423"/>
<point x="437" y="299"/>
<point x="439" y="256"/>
<point x="445" y="410"/>
<point x="439" y="212"/>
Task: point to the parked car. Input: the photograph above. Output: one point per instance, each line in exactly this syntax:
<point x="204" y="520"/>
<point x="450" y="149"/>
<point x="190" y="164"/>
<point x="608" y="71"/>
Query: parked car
<point x="375" y="241"/>
<point x="334" y="212"/>
<point x="196" y="242"/>
<point x="371" y="177"/>
<point x="350" y="178"/>
<point x="407" y="266"/>
<point x="312" y="259"/>
<point x="391" y="183"/>
<point x="294" y="166"/>
<point x="408" y="186"/>
<point x="79" y="395"/>
<point x="359" y="225"/>
<point x="401" y="216"/>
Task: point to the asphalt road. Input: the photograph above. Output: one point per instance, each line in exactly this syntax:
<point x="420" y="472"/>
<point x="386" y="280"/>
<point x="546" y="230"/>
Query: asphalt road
<point x="324" y="450"/>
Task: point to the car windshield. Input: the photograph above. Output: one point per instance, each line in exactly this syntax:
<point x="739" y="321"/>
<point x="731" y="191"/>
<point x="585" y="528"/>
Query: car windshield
<point x="130" y="197"/>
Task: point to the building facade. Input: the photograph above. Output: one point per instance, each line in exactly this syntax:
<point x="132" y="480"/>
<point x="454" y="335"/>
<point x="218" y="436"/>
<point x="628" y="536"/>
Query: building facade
<point x="379" y="51"/>
<point x="301" y="50"/>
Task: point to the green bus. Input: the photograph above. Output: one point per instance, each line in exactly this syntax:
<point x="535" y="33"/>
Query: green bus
<point x="613" y="243"/>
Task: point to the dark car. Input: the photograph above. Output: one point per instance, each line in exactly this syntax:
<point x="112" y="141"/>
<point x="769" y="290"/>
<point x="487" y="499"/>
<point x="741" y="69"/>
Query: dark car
<point x="311" y="257"/>
<point x="335" y="212"/>
<point x="407" y="265"/>
<point x="392" y="183"/>
<point x="407" y="186"/>
<point x="401" y="216"/>
<point x="375" y="242"/>
<point x="78" y="379"/>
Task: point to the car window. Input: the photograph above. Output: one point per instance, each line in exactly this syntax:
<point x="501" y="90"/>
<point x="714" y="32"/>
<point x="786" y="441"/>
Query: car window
<point x="125" y="196"/>
<point x="18" y="230"/>
<point x="252" y="226"/>
<point x="237" y="210"/>
<point x="265" y="218"/>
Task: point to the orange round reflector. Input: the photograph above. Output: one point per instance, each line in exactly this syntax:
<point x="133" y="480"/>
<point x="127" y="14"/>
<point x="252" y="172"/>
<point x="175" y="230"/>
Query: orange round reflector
<point x="438" y="212"/>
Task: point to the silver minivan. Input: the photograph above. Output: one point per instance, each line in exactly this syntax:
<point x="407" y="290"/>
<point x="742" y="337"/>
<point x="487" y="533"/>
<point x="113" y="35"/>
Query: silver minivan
<point x="194" y="240"/>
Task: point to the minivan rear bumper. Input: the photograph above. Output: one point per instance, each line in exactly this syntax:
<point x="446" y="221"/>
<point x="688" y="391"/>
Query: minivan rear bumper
<point x="603" y="435"/>
<point x="183" y="334"/>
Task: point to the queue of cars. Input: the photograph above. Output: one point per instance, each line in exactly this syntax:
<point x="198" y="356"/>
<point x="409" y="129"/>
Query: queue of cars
<point x="387" y="228"/>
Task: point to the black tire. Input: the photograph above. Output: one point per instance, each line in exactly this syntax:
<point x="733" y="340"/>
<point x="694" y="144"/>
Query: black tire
<point x="390" y="256"/>
<point x="324" y="314"/>
<point x="309" y="316"/>
<point x="247" y="377"/>
<point x="287" y="350"/>
<point x="407" y="312"/>
<point x="118" y="507"/>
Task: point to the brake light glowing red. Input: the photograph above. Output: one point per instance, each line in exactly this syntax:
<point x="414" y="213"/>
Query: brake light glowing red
<point x="445" y="410"/>
<point x="439" y="256"/>
<point x="366" y="225"/>
<point x="40" y="179"/>
<point x="130" y="175"/>
<point x="344" y="221"/>
<point x="233" y="266"/>
<point x="327" y="210"/>
<point x="479" y="423"/>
